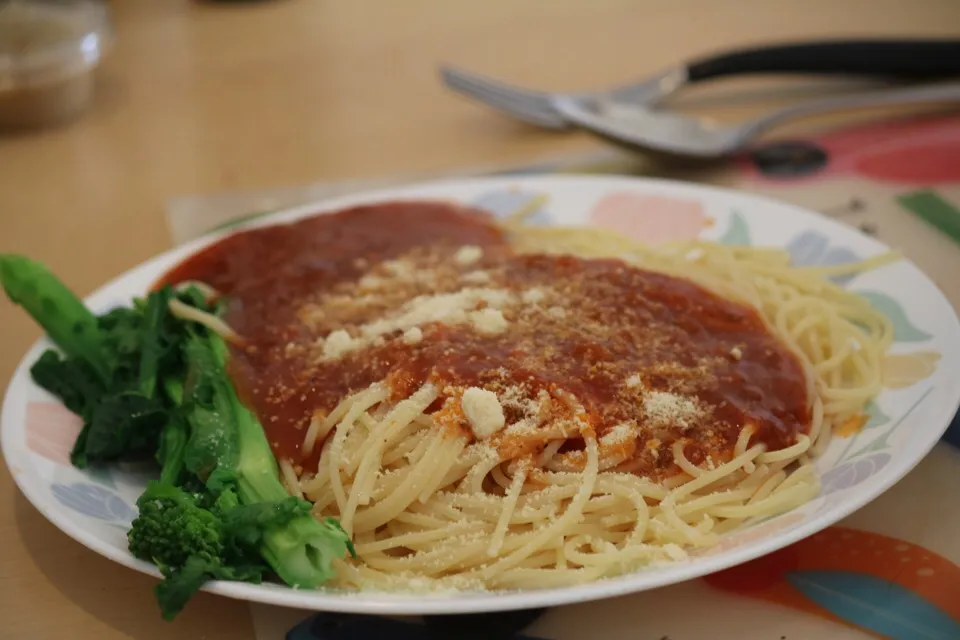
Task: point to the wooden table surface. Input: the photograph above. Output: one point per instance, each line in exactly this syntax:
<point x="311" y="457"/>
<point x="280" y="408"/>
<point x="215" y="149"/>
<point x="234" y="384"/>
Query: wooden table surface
<point x="215" y="97"/>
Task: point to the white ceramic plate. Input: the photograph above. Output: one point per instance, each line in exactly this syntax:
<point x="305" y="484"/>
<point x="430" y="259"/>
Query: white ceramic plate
<point x="905" y="421"/>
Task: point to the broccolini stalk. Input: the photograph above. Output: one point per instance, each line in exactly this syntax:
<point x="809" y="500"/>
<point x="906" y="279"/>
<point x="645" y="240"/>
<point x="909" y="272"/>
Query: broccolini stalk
<point x="301" y="551"/>
<point x="213" y="449"/>
<point x="173" y="437"/>
<point x="152" y="347"/>
<point x="58" y="310"/>
<point x="173" y="443"/>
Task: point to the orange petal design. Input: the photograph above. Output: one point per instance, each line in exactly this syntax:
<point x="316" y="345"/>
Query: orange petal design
<point x="902" y="370"/>
<point x="650" y="219"/>
<point x="51" y="430"/>
<point x="852" y="425"/>
<point x="930" y="576"/>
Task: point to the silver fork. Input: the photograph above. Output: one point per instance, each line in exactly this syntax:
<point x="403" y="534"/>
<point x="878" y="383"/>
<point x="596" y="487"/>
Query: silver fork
<point x="913" y="59"/>
<point x="639" y="128"/>
<point x="537" y="107"/>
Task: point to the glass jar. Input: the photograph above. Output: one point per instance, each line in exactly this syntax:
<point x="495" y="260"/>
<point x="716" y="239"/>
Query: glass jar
<point x="49" y="50"/>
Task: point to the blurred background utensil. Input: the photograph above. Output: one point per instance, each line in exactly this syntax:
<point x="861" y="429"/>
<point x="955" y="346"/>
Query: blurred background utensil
<point x="645" y="129"/>
<point x="892" y="58"/>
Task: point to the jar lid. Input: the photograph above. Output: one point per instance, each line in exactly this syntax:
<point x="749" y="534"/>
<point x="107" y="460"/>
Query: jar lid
<point x="43" y="41"/>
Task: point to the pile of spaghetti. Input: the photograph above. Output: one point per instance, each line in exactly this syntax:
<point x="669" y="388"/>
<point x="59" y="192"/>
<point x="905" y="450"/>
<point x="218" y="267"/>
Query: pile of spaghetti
<point x="492" y="405"/>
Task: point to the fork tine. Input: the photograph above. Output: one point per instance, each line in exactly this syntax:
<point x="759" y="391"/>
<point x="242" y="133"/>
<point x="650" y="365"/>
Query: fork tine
<point x="529" y="106"/>
<point x="532" y="100"/>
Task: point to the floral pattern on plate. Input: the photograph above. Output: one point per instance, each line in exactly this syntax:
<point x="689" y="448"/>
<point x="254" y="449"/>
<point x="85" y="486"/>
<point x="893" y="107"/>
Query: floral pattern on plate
<point x="904" y="330"/>
<point x="904" y="370"/>
<point x="94" y="501"/>
<point x="649" y="218"/>
<point x="503" y="203"/>
<point x="812" y="248"/>
<point x="51" y="430"/>
<point x="738" y="232"/>
<point x="852" y="472"/>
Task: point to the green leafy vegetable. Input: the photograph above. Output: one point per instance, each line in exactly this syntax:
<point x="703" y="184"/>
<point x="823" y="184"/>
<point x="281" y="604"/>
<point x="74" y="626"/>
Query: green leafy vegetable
<point x="72" y="380"/>
<point x="180" y="584"/>
<point x="149" y="385"/>
<point x="126" y="424"/>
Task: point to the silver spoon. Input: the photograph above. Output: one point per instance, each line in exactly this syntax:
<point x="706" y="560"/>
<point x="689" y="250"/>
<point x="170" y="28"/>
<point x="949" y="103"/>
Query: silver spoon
<point x="645" y="129"/>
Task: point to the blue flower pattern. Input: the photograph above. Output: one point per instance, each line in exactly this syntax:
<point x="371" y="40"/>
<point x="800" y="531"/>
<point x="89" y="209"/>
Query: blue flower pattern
<point x="812" y="248"/>
<point x="94" y="501"/>
<point x="738" y="233"/>
<point x="505" y="202"/>
<point x="852" y="472"/>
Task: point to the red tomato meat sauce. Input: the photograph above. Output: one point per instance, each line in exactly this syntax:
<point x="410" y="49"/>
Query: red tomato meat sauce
<point x="417" y="292"/>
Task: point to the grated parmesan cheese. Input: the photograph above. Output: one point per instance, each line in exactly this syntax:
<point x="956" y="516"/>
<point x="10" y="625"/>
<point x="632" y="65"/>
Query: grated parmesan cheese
<point x="370" y="281"/>
<point x="413" y="335"/>
<point x="489" y="321"/>
<point x="399" y="268"/>
<point x="533" y="296"/>
<point x="736" y="353"/>
<point x="664" y="408"/>
<point x="515" y="397"/>
<point x="454" y="308"/>
<point x="619" y="434"/>
<point x="338" y="343"/>
<point x="557" y="312"/>
<point x="484" y="412"/>
<point x="442" y="307"/>
<point x="476" y="277"/>
<point x="634" y="381"/>
<point x="483" y="452"/>
<point x="468" y="254"/>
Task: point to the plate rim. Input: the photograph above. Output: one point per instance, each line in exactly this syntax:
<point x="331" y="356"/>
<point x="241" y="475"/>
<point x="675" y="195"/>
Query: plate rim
<point x="386" y="603"/>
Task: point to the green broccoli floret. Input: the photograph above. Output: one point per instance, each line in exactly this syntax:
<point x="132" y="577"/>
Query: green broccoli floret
<point x="172" y="526"/>
<point x="196" y="537"/>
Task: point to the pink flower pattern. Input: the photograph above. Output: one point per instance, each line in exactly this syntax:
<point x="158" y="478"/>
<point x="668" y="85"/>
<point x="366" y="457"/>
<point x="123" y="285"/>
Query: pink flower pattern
<point x="651" y="219"/>
<point x="51" y="430"/>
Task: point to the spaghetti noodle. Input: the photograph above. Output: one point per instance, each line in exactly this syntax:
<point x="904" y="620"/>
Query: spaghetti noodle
<point x="490" y="406"/>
